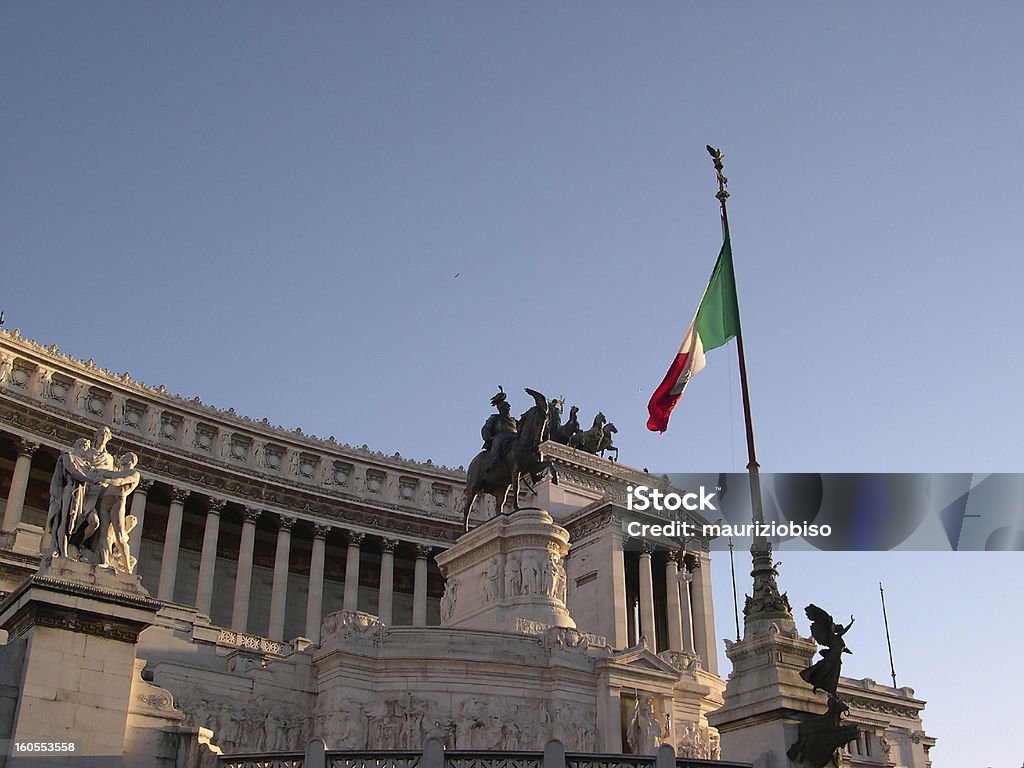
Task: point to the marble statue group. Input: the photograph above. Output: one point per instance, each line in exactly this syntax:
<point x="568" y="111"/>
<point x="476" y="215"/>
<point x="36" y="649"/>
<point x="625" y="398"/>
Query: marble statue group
<point x="88" y="492"/>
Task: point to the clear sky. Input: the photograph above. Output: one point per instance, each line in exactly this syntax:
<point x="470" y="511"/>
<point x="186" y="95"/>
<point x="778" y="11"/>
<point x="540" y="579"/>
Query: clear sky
<point x="361" y="218"/>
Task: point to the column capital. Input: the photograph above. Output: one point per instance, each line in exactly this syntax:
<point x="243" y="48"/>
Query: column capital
<point x="321" y="531"/>
<point x="675" y="556"/>
<point x="252" y="514"/>
<point x="286" y="522"/>
<point x="388" y="545"/>
<point x="355" y="538"/>
<point x="144" y="486"/>
<point x="691" y="561"/>
<point x="647" y="547"/>
<point x="423" y="551"/>
<point x="27" y="448"/>
<point x="179" y="494"/>
<point x="216" y="505"/>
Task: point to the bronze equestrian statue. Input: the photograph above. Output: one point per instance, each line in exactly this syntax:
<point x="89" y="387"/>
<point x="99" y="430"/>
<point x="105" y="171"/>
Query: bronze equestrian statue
<point x="511" y="449"/>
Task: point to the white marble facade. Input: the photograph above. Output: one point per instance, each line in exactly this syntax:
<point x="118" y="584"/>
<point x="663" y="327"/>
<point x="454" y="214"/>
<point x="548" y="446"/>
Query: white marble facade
<point x="302" y="594"/>
<point x="307" y="588"/>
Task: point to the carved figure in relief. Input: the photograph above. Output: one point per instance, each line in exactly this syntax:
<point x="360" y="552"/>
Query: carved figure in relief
<point x="443" y="731"/>
<point x="643" y="733"/>
<point x="152" y="422"/>
<point x="6" y="366"/>
<point x="560" y="583"/>
<point x="547" y="579"/>
<point x="513" y="576"/>
<point x="448" y="599"/>
<point x="531" y="575"/>
<point x="491" y="576"/>
<point x="45" y="383"/>
<point x="467" y="723"/>
<point x="378" y="725"/>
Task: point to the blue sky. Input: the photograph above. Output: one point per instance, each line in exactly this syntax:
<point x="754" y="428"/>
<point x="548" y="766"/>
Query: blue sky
<point x="266" y="205"/>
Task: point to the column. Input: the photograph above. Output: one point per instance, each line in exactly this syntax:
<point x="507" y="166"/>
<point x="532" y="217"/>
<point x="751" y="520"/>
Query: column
<point x="704" y="615"/>
<point x="647" y="597"/>
<point x="387" y="580"/>
<point x="19" y="484"/>
<point x="172" y="538"/>
<point x="138" y="511"/>
<point x="419" y="590"/>
<point x="685" y="608"/>
<point x="675" y="633"/>
<point x="279" y="592"/>
<point x="314" y="602"/>
<point x="243" y="578"/>
<point x="612" y="737"/>
<point x="617" y="588"/>
<point x="208" y="561"/>
<point x="351" y="598"/>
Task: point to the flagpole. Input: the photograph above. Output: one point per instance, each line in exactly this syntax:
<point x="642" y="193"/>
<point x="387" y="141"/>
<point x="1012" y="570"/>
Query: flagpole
<point x="767" y="605"/>
<point x="885" y="616"/>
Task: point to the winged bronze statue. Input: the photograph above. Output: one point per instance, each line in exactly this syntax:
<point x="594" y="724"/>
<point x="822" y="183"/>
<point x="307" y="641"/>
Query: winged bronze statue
<point x="824" y="673"/>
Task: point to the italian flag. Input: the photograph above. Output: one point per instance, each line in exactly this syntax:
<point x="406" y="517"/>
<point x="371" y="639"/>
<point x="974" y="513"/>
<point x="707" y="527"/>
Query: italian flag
<point x="717" y="320"/>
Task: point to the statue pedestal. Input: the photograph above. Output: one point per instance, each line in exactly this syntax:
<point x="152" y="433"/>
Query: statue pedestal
<point x="765" y="698"/>
<point x="73" y="627"/>
<point x="507" y="575"/>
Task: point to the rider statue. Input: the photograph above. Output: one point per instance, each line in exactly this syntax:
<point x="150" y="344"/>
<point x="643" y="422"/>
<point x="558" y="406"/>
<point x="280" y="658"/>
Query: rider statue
<point x="500" y="429"/>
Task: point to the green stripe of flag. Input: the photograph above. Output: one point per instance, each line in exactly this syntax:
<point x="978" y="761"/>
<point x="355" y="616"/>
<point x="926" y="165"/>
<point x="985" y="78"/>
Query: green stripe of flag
<point x="718" y="318"/>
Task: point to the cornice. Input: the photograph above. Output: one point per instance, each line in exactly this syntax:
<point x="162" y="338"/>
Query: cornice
<point x="176" y="467"/>
<point x="52" y="358"/>
<point x="607" y="470"/>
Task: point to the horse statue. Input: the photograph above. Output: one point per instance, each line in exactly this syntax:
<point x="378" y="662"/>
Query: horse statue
<point x="606" y="441"/>
<point x="562" y="433"/>
<point x="590" y="440"/>
<point x="499" y="476"/>
<point x="554" y="417"/>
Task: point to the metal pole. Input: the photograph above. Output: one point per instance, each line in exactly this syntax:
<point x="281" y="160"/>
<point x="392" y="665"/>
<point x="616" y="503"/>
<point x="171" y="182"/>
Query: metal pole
<point x="767" y="603"/>
<point x="888" y="642"/>
<point x="735" y="599"/>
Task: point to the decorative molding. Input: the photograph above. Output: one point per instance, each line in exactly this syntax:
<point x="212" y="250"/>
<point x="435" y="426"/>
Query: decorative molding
<point x="29" y="356"/>
<point x="27" y="448"/>
<point x="179" y="494"/>
<point x="251" y="515"/>
<point x="326" y="502"/>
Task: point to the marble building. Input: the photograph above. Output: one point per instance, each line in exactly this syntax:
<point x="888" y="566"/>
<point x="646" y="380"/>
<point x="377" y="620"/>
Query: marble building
<point x="282" y="562"/>
<point x="301" y="587"/>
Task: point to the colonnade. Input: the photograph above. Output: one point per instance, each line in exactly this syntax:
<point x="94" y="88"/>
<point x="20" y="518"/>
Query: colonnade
<point x="689" y="611"/>
<point x="139" y="501"/>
